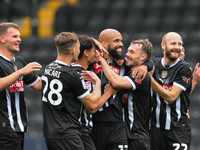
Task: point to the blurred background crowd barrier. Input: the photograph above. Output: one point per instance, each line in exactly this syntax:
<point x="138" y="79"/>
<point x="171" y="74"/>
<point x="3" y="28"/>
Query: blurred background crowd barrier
<point x="41" y="20"/>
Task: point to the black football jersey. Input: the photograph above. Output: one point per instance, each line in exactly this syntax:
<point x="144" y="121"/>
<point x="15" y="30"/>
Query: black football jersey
<point x="171" y="116"/>
<point x="136" y="102"/>
<point x="85" y="118"/>
<point x="63" y="87"/>
<point x="111" y="111"/>
<point x="13" y="112"/>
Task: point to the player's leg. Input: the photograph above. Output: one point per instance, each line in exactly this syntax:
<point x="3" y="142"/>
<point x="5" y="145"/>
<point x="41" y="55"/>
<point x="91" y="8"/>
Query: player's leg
<point x="178" y="139"/>
<point x="117" y="137"/>
<point x="63" y="144"/>
<point x="99" y="136"/>
<point x="140" y="144"/>
<point x="11" y="141"/>
<point x="157" y="140"/>
<point x="87" y="140"/>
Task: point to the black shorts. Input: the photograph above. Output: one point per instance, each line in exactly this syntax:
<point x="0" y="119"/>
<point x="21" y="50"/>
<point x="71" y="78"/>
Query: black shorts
<point x="170" y="139"/>
<point x="109" y="136"/>
<point x="64" y="144"/>
<point x="12" y="140"/>
<point x="86" y="139"/>
<point x="138" y="144"/>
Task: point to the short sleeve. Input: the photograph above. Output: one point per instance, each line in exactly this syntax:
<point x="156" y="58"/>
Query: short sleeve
<point x="140" y="85"/>
<point x="78" y="85"/>
<point x="184" y="78"/>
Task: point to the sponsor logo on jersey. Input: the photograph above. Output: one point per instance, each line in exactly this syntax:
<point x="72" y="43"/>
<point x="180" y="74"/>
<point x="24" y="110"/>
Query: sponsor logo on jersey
<point x="138" y="81"/>
<point x="54" y="66"/>
<point x="164" y="74"/>
<point x="125" y="97"/>
<point x="116" y="70"/>
<point x="18" y="86"/>
<point x="167" y="87"/>
<point x="187" y="80"/>
<point x="184" y="78"/>
<point x="97" y="68"/>
<point x="88" y="85"/>
<point x="162" y="80"/>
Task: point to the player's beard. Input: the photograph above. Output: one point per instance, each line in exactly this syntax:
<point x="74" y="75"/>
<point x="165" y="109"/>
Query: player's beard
<point x="133" y="63"/>
<point x="114" y="53"/>
<point x="169" y="54"/>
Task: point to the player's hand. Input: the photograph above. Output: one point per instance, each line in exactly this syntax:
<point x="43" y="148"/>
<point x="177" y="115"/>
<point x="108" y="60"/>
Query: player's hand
<point x="98" y="56"/>
<point x="110" y="89"/>
<point x="120" y="61"/>
<point x="33" y="66"/>
<point x="140" y="72"/>
<point x="187" y="114"/>
<point x="152" y="71"/>
<point x="90" y="76"/>
<point x="100" y="48"/>
<point x="196" y="73"/>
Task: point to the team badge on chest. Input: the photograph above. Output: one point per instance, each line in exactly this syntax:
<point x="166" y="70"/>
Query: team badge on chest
<point x="164" y="74"/>
<point x="15" y="67"/>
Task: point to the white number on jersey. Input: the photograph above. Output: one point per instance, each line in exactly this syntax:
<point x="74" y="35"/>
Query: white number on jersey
<point x="52" y="91"/>
<point x="177" y="146"/>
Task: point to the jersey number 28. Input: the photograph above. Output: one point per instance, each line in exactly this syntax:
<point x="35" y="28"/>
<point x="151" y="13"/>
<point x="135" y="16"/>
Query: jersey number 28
<point x="52" y="91"/>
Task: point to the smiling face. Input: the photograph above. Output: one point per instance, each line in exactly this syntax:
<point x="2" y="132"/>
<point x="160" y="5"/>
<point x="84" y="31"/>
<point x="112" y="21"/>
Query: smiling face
<point x="112" y="42"/>
<point x="115" y="45"/>
<point x="87" y="49"/>
<point x="133" y="55"/>
<point x="91" y="55"/>
<point x="172" y="46"/>
<point x="11" y="40"/>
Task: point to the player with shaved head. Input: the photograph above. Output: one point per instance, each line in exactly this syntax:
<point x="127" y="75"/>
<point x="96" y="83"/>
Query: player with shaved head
<point x="171" y="83"/>
<point x="108" y="127"/>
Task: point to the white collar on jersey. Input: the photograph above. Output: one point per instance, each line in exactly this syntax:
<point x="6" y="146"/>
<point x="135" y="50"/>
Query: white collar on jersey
<point x="74" y="65"/>
<point x="162" y="62"/>
<point x="60" y="62"/>
<point x="6" y="58"/>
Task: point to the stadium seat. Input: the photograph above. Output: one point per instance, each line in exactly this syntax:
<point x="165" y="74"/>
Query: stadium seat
<point x="132" y="22"/>
<point x="96" y="22"/>
<point x="114" y="20"/>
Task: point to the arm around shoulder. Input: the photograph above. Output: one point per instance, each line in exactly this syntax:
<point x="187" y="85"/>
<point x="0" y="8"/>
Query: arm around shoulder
<point x="169" y="96"/>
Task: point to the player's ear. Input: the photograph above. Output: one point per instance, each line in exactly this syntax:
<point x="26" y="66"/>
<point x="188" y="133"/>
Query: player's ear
<point x="2" y="39"/>
<point x="73" y="50"/>
<point x="144" y="57"/>
<point x="163" y="45"/>
<point x="104" y="43"/>
<point x="86" y="53"/>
